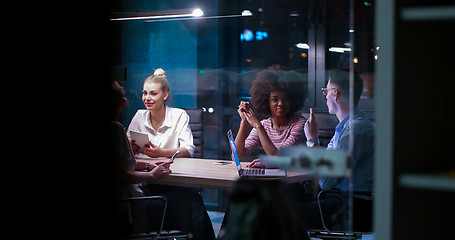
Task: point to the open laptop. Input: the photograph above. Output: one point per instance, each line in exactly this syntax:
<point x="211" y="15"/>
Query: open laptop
<point x="252" y="172"/>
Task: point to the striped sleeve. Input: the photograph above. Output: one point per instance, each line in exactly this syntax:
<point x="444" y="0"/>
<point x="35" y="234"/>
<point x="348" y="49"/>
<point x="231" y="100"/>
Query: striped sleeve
<point x="251" y="142"/>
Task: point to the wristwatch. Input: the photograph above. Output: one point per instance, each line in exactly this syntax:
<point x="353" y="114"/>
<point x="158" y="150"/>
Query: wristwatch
<point x="311" y="142"/>
<point x="147" y="166"/>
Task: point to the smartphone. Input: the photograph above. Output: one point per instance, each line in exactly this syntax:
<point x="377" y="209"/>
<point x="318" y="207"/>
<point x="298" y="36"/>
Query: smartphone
<point x="174" y="156"/>
<point x="221" y="163"/>
<point x="247" y="105"/>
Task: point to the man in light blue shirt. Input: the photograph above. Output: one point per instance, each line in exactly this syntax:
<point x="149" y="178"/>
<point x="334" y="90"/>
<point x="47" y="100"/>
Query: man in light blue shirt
<point x="361" y="162"/>
<point x="362" y="153"/>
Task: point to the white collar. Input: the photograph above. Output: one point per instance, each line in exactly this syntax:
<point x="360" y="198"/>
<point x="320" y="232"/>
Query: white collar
<point x="167" y="119"/>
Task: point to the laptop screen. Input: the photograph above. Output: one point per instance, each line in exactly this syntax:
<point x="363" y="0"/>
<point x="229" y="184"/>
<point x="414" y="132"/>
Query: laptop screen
<point x="234" y="150"/>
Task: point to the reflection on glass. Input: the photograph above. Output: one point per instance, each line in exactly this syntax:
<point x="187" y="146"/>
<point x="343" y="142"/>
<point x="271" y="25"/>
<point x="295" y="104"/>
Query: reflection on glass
<point x="212" y="60"/>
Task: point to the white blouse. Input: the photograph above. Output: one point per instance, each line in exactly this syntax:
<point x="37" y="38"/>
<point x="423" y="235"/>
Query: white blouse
<point x="175" y="131"/>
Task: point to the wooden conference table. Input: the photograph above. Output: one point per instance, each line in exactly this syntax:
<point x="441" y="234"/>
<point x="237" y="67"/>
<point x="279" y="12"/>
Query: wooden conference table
<point x="208" y="173"/>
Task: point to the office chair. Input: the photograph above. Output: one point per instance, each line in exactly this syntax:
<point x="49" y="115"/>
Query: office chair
<point x="362" y="221"/>
<point x="147" y="227"/>
<point x="197" y="128"/>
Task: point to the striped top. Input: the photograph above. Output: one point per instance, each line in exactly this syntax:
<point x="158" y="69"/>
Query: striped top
<point x="290" y="134"/>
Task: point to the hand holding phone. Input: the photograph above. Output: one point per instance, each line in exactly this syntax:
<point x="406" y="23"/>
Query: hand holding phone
<point x="245" y="106"/>
<point x="174" y="156"/>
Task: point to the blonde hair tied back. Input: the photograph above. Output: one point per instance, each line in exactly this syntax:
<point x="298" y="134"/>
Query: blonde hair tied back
<point x="159" y="76"/>
<point x="159" y="72"/>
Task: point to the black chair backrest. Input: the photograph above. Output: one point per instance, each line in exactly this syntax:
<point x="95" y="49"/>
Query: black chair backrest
<point x="143" y="218"/>
<point x="197" y="128"/>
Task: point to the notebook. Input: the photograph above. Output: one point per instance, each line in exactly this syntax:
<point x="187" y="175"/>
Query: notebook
<point x="251" y="172"/>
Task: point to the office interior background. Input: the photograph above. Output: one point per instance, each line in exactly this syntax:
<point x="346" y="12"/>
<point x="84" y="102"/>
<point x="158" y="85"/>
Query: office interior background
<point x="402" y="50"/>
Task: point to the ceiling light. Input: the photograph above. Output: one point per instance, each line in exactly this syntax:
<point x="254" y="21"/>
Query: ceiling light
<point x="339" y="49"/>
<point x="247" y="13"/>
<point x="302" y="46"/>
<point x="197" y="12"/>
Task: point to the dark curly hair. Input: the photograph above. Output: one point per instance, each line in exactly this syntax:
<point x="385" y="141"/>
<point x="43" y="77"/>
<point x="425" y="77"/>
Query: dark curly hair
<point x="268" y="81"/>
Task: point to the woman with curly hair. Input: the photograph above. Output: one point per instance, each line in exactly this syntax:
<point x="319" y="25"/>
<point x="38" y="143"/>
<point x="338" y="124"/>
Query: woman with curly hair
<point x="277" y="101"/>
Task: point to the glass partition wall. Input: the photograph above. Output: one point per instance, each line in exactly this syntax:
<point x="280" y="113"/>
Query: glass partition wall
<point x="212" y="51"/>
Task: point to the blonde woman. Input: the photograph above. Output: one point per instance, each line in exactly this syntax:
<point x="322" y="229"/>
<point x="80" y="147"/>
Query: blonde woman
<point x="167" y="127"/>
<point x="168" y="131"/>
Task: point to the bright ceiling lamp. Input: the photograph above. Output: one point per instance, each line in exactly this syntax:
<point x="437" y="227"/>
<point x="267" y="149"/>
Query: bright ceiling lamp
<point x="198" y="12"/>
<point x="302" y="45"/>
<point x="247" y="13"/>
<point x="339" y="49"/>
